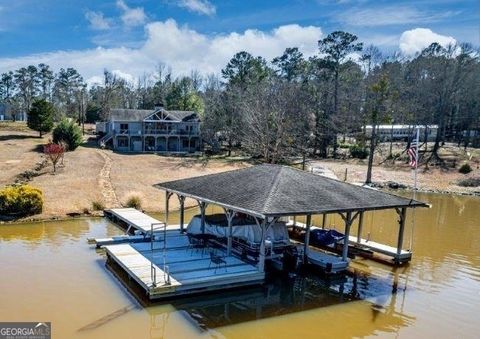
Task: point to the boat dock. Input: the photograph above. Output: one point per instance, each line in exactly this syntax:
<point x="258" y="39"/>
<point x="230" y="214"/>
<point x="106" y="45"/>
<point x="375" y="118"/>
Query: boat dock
<point x="175" y="267"/>
<point x="368" y="248"/>
<point x="133" y="220"/>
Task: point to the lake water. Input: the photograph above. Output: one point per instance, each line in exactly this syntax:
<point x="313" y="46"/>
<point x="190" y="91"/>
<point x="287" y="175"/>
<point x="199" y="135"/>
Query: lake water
<point x="49" y="273"/>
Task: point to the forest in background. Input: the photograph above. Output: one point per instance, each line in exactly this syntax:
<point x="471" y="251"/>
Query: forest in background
<point x="288" y="106"/>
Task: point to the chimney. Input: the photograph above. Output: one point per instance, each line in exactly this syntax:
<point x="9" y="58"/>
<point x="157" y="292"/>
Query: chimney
<point x="159" y="105"/>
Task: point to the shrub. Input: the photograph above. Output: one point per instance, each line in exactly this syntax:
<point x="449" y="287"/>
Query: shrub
<point x="68" y="132"/>
<point x="465" y="169"/>
<point x="134" y="202"/>
<point x="359" y="152"/>
<point x="469" y="182"/>
<point x="98" y="205"/>
<point x="20" y="200"/>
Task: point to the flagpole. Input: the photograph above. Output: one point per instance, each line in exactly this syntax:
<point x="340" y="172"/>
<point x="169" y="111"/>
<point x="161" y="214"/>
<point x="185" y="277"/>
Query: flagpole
<point x="415" y="184"/>
<point x="417" y="139"/>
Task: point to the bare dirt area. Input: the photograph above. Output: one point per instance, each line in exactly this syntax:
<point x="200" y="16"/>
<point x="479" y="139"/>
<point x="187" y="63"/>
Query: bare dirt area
<point x="434" y="179"/>
<point x="19" y="152"/>
<point x="135" y="174"/>
<point x="90" y="174"/>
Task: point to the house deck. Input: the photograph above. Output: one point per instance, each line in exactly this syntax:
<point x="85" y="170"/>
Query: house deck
<point x="191" y="269"/>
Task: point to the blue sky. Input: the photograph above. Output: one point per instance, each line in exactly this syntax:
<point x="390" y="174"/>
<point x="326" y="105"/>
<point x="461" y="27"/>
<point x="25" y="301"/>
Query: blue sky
<point x="126" y="35"/>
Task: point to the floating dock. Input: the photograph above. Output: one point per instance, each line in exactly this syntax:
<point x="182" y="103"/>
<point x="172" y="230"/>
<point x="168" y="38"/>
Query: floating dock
<point x="180" y="268"/>
<point x="134" y="220"/>
<point x="368" y="248"/>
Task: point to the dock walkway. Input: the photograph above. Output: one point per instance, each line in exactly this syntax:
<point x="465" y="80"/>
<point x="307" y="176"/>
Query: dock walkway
<point x="191" y="269"/>
<point x="133" y="218"/>
<point x="375" y="247"/>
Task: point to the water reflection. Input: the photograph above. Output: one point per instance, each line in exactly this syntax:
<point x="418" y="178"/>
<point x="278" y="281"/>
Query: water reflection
<point x="60" y="278"/>
<point x="283" y="296"/>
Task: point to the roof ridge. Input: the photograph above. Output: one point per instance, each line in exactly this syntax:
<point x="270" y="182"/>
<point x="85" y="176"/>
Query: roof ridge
<point x="273" y="187"/>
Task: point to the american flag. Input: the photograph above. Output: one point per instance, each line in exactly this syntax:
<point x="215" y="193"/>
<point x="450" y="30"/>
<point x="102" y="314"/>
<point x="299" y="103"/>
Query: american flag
<point x="412" y="153"/>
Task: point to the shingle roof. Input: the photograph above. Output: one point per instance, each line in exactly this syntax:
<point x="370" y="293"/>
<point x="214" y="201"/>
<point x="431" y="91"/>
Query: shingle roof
<point x="182" y="115"/>
<point x="273" y="190"/>
<point x="120" y="114"/>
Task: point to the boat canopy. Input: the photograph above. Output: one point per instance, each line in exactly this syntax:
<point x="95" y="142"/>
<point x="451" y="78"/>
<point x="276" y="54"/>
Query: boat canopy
<point x="274" y="191"/>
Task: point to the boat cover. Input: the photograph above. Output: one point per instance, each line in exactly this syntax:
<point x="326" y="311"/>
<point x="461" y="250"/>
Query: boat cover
<point x="321" y="237"/>
<point x="246" y="229"/>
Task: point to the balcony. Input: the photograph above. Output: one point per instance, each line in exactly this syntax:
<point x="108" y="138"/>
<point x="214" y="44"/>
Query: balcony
<point x="170" y="132"/>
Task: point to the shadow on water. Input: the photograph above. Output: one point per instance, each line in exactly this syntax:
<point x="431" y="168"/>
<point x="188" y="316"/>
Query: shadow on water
<point x="281" y="295"/>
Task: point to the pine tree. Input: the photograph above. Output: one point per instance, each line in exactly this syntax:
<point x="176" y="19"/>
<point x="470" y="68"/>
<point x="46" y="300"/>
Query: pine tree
<point x="40" y="116"/>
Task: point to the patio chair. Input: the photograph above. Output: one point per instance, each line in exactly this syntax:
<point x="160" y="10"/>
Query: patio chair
<point x="217" y="260"/>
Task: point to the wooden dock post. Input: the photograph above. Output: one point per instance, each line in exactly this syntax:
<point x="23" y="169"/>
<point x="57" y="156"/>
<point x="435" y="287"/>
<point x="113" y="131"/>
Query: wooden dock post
<point x="203" y="206"/>
<point x="261" y="261"/>
<point x="402" y="214"/>
<point x="307" y="238"/>
<point x="348" y="222"/>
<point x="230" y="215"/>
<point x="324" y="220"/>
<point x="360" y="226"/>
<point x="181" y="199"/>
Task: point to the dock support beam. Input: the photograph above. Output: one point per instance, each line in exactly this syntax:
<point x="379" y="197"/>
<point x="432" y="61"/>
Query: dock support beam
<point x="229" y="214"/>
<point x="261" y="261"/>
<point x="324" y="219"/>
<point x="402" y="214"/>
<point x="348" y="218"/>
<point x="181" y="199"/>
<point x="360" y="226"/>
<point x="167" y="199"/>
<point x="307" y="238"/>
<point x="203" y="206"/>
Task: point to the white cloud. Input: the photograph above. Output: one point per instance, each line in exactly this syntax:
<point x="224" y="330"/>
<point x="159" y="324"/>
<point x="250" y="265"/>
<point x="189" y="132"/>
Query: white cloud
<point x="97" y="20"/>
<point x="132" y="16"/>
<point x="415" y="40"/>
<point x="180" y="47"/>
<point x="198" y="6"/>
<point x="389" y="15"/>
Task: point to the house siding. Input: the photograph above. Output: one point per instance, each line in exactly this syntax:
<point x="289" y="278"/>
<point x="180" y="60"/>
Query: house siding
<point x="160" y="136"/>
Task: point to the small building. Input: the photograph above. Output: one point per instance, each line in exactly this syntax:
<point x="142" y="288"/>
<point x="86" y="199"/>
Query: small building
<point x="7" y="113"/>
<point x="402" y="132"/>
<point x="157" y="130"/>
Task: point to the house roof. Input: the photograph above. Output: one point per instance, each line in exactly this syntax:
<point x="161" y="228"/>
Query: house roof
<point x="273" y="190"/>
<point x="183" y="115"/>
<point x="142" y="114"/>
<point x="121" y="114"/>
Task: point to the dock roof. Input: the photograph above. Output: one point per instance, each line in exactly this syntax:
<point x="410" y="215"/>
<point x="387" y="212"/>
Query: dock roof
<point x="274" y="190"/>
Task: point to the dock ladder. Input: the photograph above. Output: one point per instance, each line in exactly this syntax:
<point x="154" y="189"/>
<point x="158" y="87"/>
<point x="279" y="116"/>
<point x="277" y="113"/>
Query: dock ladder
<point x="153" y="270"/>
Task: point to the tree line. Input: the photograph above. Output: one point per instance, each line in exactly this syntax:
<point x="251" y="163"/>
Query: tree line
<point x="288" y="106"/>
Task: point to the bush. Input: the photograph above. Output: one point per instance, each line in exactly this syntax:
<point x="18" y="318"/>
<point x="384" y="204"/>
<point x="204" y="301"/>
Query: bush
<point x="344" y="145"/>
<point x="134" y="202"/>
<point x="21" y="200"/>
<point x="98" y="206"/>
<point x="359" y="152"/>
<point x="68" y="132"/>
<point x="469" y="182"/>
<point x="465" y="169"/>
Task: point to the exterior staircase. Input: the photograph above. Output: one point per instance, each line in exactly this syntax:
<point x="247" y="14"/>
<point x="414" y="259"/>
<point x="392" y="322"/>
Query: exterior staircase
<point x="106" y="138"/>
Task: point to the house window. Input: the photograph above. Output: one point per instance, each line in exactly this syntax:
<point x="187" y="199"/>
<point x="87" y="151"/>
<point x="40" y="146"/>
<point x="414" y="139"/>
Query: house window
<point x="185" y="143"/>
<point x="123" y="128"/>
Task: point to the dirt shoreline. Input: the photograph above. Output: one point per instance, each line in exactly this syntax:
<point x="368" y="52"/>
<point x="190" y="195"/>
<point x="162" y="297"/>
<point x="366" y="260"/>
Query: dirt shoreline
<point x="92" y="175"/>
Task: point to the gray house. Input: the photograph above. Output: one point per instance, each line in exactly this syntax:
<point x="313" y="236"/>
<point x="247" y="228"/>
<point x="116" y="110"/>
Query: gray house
<point x="7" y="113"/>
<point x="158" y="130"/>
